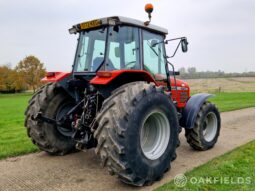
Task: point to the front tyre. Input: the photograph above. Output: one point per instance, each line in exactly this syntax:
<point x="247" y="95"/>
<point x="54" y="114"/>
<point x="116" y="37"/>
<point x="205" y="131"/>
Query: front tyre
<point x="137" y="133"/>
<point x="206" y="131"/>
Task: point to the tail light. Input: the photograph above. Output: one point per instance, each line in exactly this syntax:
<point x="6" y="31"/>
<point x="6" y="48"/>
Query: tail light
<point x="104" y="74"/>
<point x="50" y="74"/>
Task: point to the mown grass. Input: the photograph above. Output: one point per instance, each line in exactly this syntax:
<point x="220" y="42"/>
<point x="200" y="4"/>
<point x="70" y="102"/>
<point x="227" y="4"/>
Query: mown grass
<point x="233" y="171"/>
<point x="13" y="137"/>
<point x="14" y="140"/>
<point x="233" y="101"/>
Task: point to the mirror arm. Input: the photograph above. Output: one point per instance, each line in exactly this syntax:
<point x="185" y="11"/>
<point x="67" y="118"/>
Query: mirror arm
<point x="167" y="62"/>
<point x="181" y="39"/>
<point x="175" y="51"/>
<point x="173" y="75"/>
<point x="169" y="87"/>
<point x="168" y="76"/>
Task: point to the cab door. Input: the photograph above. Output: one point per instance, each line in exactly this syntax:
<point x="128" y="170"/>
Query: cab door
<point x="154" y="60"/>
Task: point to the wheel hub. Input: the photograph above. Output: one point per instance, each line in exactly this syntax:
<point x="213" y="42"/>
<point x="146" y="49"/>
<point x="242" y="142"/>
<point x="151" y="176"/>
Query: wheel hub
<point x="155" y="134"/>
<point x="66" y="129"/>
<point x="210" y="127"/>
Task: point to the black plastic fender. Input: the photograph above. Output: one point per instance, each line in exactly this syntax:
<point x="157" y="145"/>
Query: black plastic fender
<point x="192" y="108"/>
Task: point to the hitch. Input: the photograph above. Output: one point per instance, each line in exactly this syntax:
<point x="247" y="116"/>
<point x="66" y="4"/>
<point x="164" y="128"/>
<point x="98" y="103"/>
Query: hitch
<point x="40" y="117"/>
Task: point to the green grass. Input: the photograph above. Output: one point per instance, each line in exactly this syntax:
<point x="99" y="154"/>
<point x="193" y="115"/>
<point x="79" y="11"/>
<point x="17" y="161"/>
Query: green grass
<point x="13" y="137"/>
<point x="237" y="164"/>
<point x="234" y="101"/>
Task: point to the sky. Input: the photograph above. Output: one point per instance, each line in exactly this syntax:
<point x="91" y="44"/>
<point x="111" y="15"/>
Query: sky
<point x="220" y="32"/>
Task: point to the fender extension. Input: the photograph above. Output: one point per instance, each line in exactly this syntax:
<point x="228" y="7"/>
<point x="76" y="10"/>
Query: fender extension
<point x="192" y="108"/>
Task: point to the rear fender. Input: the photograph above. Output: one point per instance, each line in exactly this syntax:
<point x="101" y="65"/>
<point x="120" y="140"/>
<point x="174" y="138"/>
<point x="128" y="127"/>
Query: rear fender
<point x="121" y="77"/>
<point x="55" y="76"/>
<point x="192" y="108"/>
<point x="62" y="79"/>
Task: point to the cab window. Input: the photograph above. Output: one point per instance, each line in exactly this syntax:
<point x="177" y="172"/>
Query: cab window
<point x="153" y="53"/>
<point x="123" y="48"/>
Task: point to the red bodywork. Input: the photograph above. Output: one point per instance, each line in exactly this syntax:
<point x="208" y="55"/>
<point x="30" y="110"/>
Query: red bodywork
<point x="105" y="77"/>
<point x="180" y="95"/>
<point x="55" y="76"/>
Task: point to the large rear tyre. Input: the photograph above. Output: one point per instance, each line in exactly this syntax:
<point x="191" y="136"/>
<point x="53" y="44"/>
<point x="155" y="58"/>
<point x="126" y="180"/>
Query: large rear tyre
<point x="137" y="133"/>
<point x="206" y="131"/>
<point x="54" y="103"/>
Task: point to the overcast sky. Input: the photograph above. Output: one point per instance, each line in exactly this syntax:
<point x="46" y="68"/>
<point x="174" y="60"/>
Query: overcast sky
<point x="221" y="32"/>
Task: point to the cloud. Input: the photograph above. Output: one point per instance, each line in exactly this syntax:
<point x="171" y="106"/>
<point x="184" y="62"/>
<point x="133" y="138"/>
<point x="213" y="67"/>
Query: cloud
<point x="220" y="32"/>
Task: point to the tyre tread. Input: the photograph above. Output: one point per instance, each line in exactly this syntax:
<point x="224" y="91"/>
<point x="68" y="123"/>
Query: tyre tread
<point x="118" y="106"/>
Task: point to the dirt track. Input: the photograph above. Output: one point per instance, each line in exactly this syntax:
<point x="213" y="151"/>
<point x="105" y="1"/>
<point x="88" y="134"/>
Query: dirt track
<point x="80" y="171"/>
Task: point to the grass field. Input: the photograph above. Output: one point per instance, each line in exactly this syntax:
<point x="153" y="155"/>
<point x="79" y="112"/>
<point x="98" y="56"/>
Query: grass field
<point x="233" y="101"/>
<point x="13" y="138"/>
<point x="233" y="171"/>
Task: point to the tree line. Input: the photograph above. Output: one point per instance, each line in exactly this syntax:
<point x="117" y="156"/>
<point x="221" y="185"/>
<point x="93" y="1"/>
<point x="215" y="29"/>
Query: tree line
<point x="26" y="75"/>
<point x="192" y="73"/>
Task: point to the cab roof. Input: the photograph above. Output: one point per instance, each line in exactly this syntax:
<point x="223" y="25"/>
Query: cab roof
<point x="116" y="20"/>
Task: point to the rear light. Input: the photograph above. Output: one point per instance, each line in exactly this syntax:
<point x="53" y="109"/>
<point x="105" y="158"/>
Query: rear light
<point x="104" y="74"/>
<point x="50" y="74"/>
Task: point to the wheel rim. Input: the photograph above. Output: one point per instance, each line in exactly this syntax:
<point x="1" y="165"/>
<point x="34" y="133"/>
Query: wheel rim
<point x="64" y="130"/>
<point x="210" y="126"/>
<point x="155" y="134"/>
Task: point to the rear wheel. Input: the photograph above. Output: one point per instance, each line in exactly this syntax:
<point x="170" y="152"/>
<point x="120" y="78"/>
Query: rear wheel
<point x="206" y="131"/>
<point x="137" y="133"/>
<point x="52" y="103"/>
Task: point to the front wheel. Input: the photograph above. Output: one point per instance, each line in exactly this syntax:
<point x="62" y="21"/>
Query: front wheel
<point x="206" y="131"/>
<point x="137" y="133"/>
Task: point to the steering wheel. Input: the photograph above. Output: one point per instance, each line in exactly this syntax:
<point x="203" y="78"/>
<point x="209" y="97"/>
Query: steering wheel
<point x="129" y="63"/>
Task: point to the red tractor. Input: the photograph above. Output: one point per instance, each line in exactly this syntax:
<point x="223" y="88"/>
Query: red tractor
<point x="122" y="98"/>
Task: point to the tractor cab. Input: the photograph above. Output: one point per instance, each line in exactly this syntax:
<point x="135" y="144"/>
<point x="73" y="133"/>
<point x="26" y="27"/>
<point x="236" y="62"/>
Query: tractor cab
<point x="119" y="43"/>
<point x="116" y="50"/>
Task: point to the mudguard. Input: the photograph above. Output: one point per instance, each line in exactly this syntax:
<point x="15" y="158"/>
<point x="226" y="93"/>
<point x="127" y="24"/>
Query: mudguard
<point x="62" y="79"/>
<point x="192" y="108"/>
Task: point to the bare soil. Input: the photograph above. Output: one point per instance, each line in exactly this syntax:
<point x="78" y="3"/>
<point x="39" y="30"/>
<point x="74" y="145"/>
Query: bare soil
<point x="81" y="171"/>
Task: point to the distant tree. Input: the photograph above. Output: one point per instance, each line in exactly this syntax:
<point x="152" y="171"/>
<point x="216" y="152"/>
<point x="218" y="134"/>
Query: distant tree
<point x="7" y="81"/>
<point x="192" y="70"/>
<point x="31" y="70"/>
<point x="20" y="81"/>
<point x="182" y="70"/>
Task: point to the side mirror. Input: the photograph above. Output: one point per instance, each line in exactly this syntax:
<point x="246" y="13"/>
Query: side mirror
<point x="184" y="44"/>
